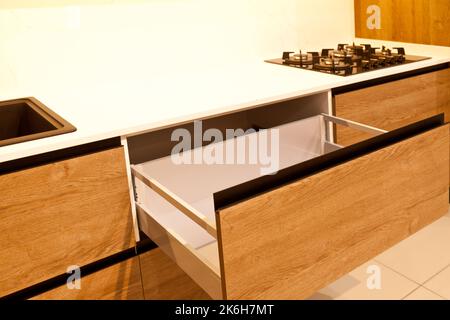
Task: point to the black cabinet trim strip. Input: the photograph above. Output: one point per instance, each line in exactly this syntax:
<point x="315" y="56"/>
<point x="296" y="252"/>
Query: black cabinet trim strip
<point x="386" y="79"/>
<point x="58" y="155"/>
<point x="258" y="186"/>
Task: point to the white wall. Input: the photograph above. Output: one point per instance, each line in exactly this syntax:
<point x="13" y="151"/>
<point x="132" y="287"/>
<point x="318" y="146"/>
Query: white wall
<point x="171" y="33"/>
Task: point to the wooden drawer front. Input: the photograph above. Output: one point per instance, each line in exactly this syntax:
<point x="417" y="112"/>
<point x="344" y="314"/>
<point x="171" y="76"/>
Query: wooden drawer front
<point x="121" y="281"/>
<point x="162" y="279"/>
<point x="393" y="105"/>
<point x="72" y="212"/>
<point x="294" y="240"/>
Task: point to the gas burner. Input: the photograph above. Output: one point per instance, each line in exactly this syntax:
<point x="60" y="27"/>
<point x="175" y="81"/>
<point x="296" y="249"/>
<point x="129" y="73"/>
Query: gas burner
<point x="347" y="59"/>
<point x="300" y="60"/>
<point x="333" y="65"/>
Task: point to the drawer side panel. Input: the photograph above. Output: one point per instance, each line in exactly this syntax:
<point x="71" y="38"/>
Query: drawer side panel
<point x="182" y="254"/>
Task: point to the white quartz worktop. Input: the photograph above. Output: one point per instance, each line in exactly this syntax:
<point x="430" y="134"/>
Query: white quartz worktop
<point x="104" y="103"/>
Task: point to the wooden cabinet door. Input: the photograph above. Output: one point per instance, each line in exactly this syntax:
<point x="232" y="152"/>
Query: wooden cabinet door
<point x="121" y="281"/>
<point x="394" y="104"/>
<point x="66" y="213"/>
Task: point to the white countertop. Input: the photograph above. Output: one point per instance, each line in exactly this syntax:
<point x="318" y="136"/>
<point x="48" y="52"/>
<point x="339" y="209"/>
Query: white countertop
<point x="125" y="101"/>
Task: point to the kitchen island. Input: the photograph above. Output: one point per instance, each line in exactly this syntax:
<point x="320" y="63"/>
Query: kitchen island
<point x="122" y="119"/>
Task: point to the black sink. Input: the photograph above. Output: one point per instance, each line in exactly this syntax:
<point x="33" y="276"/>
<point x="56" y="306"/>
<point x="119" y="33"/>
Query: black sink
<point x="28" y="119"/>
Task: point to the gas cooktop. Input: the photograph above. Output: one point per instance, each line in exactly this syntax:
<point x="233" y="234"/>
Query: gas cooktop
<point x="347" y="60"/>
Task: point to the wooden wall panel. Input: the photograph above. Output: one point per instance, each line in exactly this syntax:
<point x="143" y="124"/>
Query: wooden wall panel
<point x="416" y="21"/>
<point x="290" y="242"/>
<point x="121" y="281"/>
<point x="71" y="212"/>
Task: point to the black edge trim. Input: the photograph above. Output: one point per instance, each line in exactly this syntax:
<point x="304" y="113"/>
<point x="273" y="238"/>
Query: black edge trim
<point x="247" y="190"/>
<point x="145" y="244"/>
<point x="58" y="155"/>
<point x="382" y="80"/>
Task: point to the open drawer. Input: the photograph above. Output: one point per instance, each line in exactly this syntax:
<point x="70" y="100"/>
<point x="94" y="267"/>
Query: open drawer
<point x="250" y="230"/>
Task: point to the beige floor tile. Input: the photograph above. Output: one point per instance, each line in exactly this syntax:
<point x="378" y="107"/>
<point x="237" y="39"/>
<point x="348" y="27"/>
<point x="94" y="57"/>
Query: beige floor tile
<point x="440" y="283"/>
<point x="423" y="294"/>
<point x="422" y="255"/>
<point x="354" y="286"/>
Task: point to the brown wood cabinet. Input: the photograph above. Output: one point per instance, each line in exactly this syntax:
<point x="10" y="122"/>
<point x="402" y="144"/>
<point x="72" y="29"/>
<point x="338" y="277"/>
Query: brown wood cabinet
<point x="71" y="212"/>
<point x="393" y="104"/>
<point x="121" y="281"/>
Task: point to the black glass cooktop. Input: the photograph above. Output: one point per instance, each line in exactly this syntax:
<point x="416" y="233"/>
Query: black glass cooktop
<point x="347" y="60"/>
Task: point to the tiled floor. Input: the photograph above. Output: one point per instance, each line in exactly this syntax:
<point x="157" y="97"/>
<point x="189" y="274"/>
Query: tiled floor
<point x="418" y="268"/>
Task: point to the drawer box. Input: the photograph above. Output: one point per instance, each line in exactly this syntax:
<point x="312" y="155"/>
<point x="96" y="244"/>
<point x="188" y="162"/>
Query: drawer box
<point x="243" y="235"/>
<point x="71" y="212"/>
